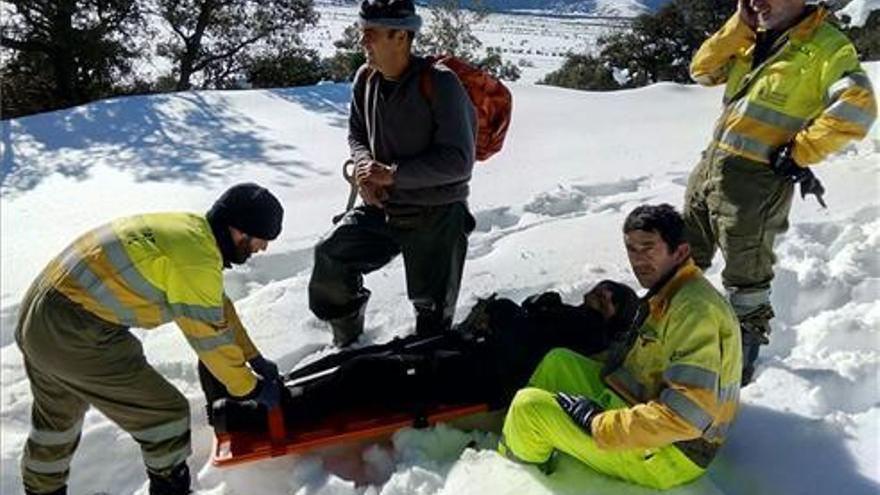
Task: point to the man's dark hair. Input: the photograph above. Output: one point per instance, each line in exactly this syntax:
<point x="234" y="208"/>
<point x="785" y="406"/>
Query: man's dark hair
<point x="662" y="219"/>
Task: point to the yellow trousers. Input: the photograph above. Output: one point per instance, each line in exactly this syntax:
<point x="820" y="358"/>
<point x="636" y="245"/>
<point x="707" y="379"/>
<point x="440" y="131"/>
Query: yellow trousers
<point x="536" y="425"/>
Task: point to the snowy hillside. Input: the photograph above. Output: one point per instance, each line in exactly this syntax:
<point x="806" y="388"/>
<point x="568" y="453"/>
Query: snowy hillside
<point x="537" y="41"/>
<point x="561" y="7"/>
<point x="549" y="211"/>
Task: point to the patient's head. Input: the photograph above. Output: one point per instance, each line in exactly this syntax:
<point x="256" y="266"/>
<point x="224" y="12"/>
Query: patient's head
<point x="616" y="302"/>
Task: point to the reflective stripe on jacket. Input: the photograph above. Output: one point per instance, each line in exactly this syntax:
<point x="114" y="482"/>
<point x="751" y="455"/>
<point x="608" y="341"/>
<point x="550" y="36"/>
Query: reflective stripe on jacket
<point x="682" y="373"/>
<point x="810" y="90"/>
<point x="146" y="270"/>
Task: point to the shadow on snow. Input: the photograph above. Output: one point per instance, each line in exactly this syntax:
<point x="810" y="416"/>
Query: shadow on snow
<point x="182" y="137"/>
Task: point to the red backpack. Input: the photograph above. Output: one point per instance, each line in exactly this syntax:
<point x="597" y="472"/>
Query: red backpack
<point x="490" y="97"/>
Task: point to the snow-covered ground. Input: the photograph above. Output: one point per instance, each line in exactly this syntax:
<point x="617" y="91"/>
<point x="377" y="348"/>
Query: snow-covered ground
<point x="549" y="210"/>
<point x="858" y="10"/>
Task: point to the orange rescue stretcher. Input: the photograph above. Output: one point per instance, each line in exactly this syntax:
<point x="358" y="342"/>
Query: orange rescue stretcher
<point x="235" y="448"/>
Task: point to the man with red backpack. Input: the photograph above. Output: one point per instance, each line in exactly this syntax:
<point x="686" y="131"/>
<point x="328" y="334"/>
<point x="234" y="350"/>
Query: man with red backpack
<point x="412" y="134"/>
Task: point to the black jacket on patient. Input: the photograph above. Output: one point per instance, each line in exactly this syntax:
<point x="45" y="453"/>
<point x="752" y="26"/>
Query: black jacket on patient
<point x="485" y="359"/>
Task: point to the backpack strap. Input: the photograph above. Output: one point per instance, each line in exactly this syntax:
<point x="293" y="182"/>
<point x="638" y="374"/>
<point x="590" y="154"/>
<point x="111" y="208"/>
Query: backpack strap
<point x="426" y="78"/>
<point x="370" y="108"/>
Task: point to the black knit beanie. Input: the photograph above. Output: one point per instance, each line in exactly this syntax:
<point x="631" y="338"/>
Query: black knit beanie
<point x="249" y="208"/>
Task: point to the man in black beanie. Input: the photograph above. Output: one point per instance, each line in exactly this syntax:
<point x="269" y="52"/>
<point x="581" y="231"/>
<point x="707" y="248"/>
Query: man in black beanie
<point x="414" y="150"/>
<point x="255" y="217"/>
<point x="140" y="271"/>
<point x="243" y="220"/>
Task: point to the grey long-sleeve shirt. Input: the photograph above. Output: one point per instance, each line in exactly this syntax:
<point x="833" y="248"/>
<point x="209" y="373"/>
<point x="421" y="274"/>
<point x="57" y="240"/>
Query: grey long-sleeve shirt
<point x="431" y="142"/>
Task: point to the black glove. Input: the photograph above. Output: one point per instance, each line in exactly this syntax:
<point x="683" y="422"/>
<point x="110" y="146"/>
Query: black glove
<point x="267" y="393"/>
<point x="784" y="166"/>
<point x="581" y="409"/>
<point x="264" y="367"/>
<point x="811" y="185"/>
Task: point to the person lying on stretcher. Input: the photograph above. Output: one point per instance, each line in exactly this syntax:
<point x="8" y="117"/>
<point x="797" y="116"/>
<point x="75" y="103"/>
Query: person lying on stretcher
<point x="484" y="359"/>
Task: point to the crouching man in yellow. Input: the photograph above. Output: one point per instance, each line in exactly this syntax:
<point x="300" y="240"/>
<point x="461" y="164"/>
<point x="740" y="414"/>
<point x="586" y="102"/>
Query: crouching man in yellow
<point x="140" y="271"/>
<point x="657" y="410"/>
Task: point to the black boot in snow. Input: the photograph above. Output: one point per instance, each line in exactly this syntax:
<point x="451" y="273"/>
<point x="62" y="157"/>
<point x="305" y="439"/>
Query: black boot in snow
<point x="755" y="333"/>
<point x="176" y="483"/>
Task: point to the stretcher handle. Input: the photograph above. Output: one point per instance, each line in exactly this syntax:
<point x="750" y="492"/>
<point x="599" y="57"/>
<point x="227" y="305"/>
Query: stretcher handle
<point x="277" y="432"/>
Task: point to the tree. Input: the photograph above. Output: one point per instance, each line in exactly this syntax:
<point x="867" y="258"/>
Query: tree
<point x="59" y="53"/>
<point x="449" y="32"/>
<point x="658" y="47"/>
<point x="348" y="57"/>
<point x="582" y="72"/>
<point x="214" y="39"/>
<point x="295" y="67"/>
<point x="493" y="64"/>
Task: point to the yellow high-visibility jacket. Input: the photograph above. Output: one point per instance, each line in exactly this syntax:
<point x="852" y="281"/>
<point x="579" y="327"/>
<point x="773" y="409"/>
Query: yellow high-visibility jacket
<point x="810" y="91"/>
<point x="682" y="374"/>
<point x="146" y="270"/>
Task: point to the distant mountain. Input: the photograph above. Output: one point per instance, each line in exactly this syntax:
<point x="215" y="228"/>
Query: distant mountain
<point x="582" y="7"/>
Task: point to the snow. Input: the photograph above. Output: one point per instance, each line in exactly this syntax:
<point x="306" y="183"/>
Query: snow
<point x="537" y="41"/>
<point x="859" y="10"/>
<point x="549" y="209"/>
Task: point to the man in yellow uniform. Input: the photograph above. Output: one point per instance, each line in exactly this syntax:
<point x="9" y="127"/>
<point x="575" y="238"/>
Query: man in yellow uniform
<point x="795" y="93"/>
<point x="657" y="410"/>
<point x="140" y="271"/>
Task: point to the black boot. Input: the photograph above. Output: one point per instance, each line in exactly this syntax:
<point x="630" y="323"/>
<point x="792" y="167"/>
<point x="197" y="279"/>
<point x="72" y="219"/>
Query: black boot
<point x="755" y="333"/>
<point x="430" y="318"/>
<point x="176" y="483"/>
<point x="347" y="329"/>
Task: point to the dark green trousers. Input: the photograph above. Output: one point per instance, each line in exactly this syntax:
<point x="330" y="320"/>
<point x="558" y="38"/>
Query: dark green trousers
<point x="433" y="242"/>
<point x="74" y="359"/>
<point x="739" y="206"/>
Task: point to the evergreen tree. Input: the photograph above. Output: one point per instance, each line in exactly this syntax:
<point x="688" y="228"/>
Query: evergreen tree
<point x="214" y="39"/>
<point x="59" y="53"/>
<point x="296" y="67"/>
<point x="582" y="72"/>
<point x="658" y="47"/>
<point x="450" y="30"/>
<point x="495" y="65"/>
<point x="348" y="57"/>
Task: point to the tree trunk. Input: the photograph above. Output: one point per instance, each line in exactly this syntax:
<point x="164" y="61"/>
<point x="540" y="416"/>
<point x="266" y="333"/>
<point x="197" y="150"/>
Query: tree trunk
<point x="63" y="63"/>
<point x="186" y="68"/>
<point x="193" y="45"/>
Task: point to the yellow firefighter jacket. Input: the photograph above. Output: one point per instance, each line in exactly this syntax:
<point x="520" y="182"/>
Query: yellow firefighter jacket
<point x="810" y="91"/>
<point x="146" y="270"/>
<point x="682" y="373"/>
